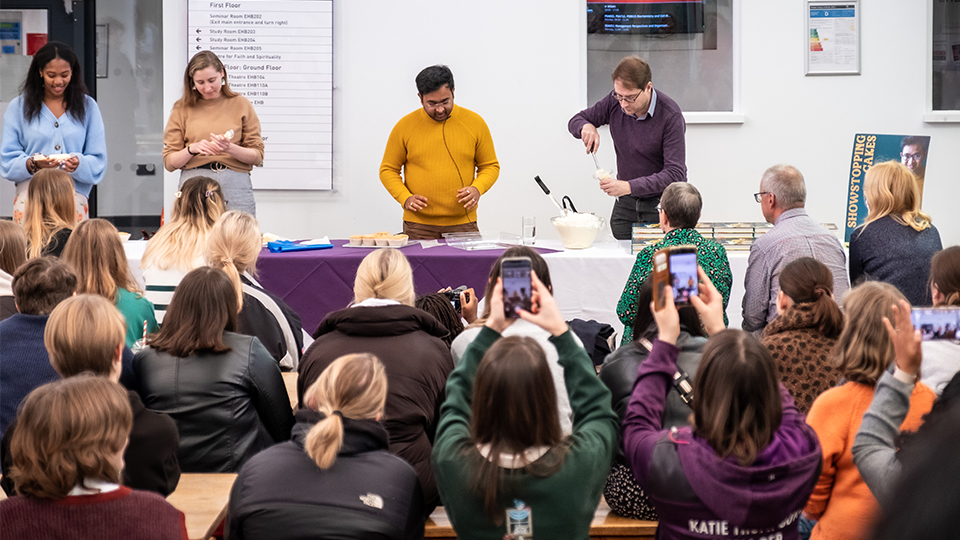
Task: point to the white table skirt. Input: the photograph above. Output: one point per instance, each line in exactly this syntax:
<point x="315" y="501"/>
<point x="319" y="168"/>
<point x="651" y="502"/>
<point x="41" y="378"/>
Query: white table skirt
<point x="587" y="283"/>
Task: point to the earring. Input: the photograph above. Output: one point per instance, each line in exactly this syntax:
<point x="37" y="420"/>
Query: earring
<point x="223" y="81"/>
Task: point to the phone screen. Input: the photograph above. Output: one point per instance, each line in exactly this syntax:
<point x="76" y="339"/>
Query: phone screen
<point x="516" y="285"/>
<point x="935" y="323"/>
<point x="683" y="276"/>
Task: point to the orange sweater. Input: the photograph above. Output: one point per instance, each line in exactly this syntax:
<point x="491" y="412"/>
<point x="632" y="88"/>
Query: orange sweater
<point x="437" y="159"/>
<point x="843" y="501"/>
<point x="188" y="125"/>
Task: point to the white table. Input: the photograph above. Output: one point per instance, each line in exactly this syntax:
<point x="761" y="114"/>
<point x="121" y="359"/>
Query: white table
<point x="587" y="283"/>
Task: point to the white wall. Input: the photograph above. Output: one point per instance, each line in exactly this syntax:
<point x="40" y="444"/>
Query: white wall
<point x="521" y="65"/>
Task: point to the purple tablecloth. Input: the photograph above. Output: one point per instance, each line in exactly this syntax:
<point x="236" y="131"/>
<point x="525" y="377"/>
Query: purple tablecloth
<point x="315" y="283"/>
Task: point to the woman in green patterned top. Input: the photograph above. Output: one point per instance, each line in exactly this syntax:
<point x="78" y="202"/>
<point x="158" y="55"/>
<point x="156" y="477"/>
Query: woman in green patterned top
<point x="679" y="209"/>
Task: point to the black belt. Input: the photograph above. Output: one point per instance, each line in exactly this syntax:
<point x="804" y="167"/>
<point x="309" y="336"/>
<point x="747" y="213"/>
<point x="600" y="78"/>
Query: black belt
<point x="213" y="165"/>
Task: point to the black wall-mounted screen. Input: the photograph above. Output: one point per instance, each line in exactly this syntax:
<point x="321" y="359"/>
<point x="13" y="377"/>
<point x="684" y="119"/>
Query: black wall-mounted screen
<point x="645" y="17"/>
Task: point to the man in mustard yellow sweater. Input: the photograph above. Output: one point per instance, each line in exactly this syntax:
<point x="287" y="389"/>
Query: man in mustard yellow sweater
<point x="447" y="158"/>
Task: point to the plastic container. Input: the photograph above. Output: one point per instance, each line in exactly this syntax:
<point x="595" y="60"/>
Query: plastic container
<point x="578" y="230"/>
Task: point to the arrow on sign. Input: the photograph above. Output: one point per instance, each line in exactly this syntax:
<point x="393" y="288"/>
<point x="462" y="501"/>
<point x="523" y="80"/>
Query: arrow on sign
<point x="198" y="30"/>
<point x="198" y="39"/>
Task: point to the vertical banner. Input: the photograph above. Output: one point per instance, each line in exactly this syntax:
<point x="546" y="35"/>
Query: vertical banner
<point x="279" y="55"/>
<point x="871" y="148"/>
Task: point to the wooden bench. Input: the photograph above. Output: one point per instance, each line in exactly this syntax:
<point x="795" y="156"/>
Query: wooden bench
<point x="605" y="526"/>
<point x="203" y="500"/>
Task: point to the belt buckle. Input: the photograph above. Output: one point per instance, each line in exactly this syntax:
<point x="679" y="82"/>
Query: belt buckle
<point x="217" y="166"/>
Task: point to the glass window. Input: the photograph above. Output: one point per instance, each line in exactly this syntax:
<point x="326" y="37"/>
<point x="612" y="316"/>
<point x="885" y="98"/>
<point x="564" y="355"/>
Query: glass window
<point x="689" y="46"/>
<point x="945" y="81"/>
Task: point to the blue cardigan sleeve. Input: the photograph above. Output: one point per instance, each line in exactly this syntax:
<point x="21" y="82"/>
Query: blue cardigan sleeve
<point x="13" y="153"/>
<point x="93" y="159"/>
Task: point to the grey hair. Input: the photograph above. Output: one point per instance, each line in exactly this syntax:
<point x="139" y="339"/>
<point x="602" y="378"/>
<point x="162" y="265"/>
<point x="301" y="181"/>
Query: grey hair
<point x="681" y="202"/>
<point x="787" y="185"/>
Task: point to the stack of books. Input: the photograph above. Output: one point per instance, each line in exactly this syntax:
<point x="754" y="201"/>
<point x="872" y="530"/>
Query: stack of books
<point x="732" y="236"/>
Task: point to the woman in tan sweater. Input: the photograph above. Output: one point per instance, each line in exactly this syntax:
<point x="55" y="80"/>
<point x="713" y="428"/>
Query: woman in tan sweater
<point x="214" y="132"/>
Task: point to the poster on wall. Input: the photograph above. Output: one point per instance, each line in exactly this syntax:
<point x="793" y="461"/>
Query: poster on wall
<point x="279" y="55"/>
<point x="833" y="29"/>
<point x="872" y="148"/>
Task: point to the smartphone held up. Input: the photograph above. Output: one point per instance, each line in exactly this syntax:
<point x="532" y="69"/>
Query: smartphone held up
<point x="517" y="287"/>
<point x="677" y="267"/>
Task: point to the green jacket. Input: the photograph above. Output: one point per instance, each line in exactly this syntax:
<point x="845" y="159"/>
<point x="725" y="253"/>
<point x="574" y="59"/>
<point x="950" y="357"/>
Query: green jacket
<point x="710" y="255"/>
<point x="562" y="504"/>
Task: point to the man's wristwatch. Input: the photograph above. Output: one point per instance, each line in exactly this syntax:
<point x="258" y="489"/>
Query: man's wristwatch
<point x="191" y="153"/>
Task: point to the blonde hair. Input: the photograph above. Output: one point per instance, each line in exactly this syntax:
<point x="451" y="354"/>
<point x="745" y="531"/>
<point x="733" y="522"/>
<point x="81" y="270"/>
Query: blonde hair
<point x="82" y="334"/>
<point x="203" y="60"/>
<point x="51" y="206"/>
<point x="891" y="189"/>
<point x="95" y="253"/>
<point x="67" y="432"/>
<point x="353" y="386"/>
<point x="13" y="246"/>
<point x="180" y="242"/>
<point x="233" y="246"/>
<point x="386" y="274"/>
<point x="864" y="349"/>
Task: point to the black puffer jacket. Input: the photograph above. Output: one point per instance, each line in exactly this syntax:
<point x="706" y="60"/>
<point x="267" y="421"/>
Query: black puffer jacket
<point x="619" y="372"/>
<point x="407" y="341"/>
<point x="366" y="493"/>
<point x="227" y="406"/>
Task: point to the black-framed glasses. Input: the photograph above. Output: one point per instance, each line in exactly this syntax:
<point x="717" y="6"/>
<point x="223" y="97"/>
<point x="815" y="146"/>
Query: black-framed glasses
<point x="628" y="99"/>
<point x="759" y="196"/>
<point x="915" y="157"/>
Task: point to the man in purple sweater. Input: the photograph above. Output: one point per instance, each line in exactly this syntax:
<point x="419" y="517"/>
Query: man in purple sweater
<point x="647" y="128"/>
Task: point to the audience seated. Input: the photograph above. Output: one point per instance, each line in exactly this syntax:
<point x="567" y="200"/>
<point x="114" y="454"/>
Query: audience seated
<point x="223" y="390"/>
<point x="96" y="254"/>
<point x="941" y="358"/>
<point x="85" y="335"/>
<point x="233" y="246"/>
<point x="924" y="502"/>
<point x="13" y="253"/>
<point x="520" y="327"/>
<point x="38" y="286"/>
<point x="748" y="463"/>
<point x="841" y="501"/>
<point x="383" y="322"/>
<point x="807" y="326"/>
<point x="795" y="234"/>
<point x="67" y="455"/>
<point x="500" y="451"/>
<point x="335" y="478"/>
<point x="896" y="242"/>
<point x="619" y="372"/>
<point x="879" y="448"/>
<point x="679" y="208"/>
<point x="51" y="213"/>
<point x="178" y="246"/>
<point x="440" y="307"/>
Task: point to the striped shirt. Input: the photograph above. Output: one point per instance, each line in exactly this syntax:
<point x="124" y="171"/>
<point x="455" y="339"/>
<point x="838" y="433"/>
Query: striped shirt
<point x="794" y="235"/>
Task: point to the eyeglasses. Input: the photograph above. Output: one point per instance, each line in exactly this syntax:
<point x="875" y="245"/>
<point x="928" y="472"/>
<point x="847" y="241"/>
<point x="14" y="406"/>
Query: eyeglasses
<point x="628" y="99"/>
<point x="914" y="157"/>
<point x="659" y="208"/>
<point x="759" y="196"/>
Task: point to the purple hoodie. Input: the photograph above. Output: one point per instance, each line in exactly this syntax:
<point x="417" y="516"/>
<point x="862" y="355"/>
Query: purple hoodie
<point x="698" y="495"/>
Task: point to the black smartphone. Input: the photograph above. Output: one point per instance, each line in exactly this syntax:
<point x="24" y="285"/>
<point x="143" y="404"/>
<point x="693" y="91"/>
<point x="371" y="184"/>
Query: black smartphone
<point x="517" y="288"/>
<point x="936" y="323"/>
<point x="675" y="266"/>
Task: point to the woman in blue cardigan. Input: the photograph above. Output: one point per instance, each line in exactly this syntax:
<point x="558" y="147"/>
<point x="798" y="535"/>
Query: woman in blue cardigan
<point x="53" y="123"/>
